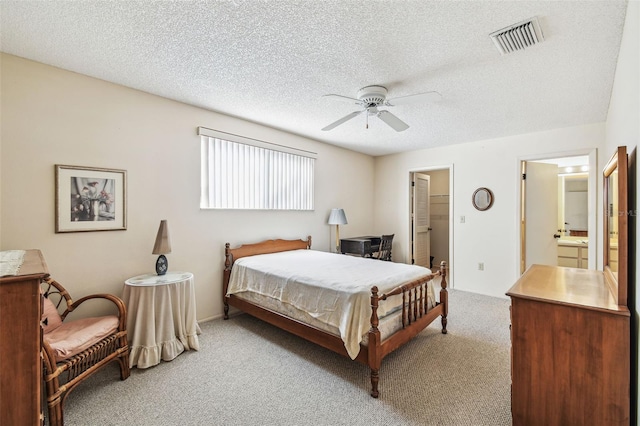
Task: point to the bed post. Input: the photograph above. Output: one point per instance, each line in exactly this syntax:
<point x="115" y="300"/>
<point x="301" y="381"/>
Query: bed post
<point x="444" y="295"/>
<point x="373" y="346"/>
<point x="225" y="278"/>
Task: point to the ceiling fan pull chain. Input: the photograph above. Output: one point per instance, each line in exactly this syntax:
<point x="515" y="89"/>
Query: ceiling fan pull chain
<point x="367" y="123"/>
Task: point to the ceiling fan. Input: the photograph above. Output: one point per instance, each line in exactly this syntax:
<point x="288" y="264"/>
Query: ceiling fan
<point x="370" y="98"/>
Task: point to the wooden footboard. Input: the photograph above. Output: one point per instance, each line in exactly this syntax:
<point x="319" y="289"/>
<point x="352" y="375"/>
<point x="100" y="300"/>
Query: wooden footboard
<point x="416" y="315"/>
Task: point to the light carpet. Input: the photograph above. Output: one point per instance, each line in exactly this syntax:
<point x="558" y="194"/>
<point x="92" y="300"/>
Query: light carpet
<point x="250" y="373"/>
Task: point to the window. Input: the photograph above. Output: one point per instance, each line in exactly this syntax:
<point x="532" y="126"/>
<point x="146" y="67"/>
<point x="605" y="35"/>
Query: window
<point x="243" y="173"/>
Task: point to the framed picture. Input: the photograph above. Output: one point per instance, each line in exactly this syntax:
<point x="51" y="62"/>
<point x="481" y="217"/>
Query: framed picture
<point x="90" y="199"/>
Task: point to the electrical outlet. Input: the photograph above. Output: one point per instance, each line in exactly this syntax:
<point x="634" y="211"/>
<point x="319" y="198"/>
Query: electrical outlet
<point x="481" y="266"/>
<point x="462" y="219"/>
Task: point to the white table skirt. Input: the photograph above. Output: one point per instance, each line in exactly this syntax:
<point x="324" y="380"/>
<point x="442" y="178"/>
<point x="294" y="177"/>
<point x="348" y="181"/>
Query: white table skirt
<point x="161" y="317"/>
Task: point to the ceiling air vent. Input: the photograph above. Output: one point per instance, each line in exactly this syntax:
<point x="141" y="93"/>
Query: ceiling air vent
<point x="517" y="36"/>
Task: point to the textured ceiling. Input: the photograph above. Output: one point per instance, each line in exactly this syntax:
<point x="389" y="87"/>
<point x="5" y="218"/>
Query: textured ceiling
<point x="271" y="61"/>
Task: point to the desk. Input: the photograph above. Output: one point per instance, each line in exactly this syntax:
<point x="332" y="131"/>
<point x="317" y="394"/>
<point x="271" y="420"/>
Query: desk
<point x="362" y="246"/>
<point x="161" y="317"/>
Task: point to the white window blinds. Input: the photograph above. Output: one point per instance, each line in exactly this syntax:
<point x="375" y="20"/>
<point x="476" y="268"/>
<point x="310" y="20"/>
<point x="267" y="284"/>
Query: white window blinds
<point x="246" y="174"/>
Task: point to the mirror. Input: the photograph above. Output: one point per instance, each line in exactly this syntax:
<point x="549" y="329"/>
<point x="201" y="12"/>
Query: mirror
<point x="616" y="225"/>
<point x="482" y="199"/>
<point x="573" y="204"/>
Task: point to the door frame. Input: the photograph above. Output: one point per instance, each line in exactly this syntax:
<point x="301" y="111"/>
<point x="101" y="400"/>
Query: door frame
<point x="593" y="212"/>
<point x="426" y="169"/>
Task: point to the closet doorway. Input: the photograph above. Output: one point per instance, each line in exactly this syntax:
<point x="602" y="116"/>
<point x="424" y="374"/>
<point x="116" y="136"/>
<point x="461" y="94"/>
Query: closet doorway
<point x="430" y="217"/>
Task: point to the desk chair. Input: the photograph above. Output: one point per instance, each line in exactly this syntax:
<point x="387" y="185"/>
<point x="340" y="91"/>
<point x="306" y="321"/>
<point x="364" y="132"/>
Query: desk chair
<point x="384" y="252"/>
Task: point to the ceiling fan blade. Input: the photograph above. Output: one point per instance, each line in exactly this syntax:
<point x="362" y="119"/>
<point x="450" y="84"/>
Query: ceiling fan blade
<point x="343" y="99"/>
<point x="393" y="121"/>
<point x="414" y="99"/>
<point x="342" y="120"/>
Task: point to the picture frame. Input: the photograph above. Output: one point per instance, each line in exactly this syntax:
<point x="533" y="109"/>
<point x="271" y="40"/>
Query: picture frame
<point x="90" y="199"/>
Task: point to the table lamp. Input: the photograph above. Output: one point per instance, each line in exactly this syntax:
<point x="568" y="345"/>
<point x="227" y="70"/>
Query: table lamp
<point x="337" y="217"/>
<point x="162" y="247"/>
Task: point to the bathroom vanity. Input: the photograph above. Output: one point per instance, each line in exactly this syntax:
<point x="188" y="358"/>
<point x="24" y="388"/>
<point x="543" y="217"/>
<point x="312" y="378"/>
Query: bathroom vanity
<point x="573" y="252"/>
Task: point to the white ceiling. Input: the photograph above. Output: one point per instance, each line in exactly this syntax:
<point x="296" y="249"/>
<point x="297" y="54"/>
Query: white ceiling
<point x="271" y="61"/>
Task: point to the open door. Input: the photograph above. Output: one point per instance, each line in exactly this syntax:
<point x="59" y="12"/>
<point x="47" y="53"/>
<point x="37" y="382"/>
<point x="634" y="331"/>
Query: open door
<point x="541" y="214"/>
<point x="421" y="220"/>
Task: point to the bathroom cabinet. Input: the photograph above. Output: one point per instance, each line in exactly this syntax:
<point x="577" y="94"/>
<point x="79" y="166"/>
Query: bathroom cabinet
<point x="573" y="256"/>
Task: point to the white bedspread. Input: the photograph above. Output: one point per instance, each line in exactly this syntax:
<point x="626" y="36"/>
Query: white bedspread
<point x="332" y="288"/>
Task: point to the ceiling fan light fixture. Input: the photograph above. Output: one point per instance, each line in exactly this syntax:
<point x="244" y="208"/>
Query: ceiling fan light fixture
<point x="518" y="36"/>
<point x="369" y="98"/>
<point x="372" y="95"/>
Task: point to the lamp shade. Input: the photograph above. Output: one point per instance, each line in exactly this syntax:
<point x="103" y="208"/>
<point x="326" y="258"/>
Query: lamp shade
<point x="163" y="242"/>
<point x="337" y="217"/>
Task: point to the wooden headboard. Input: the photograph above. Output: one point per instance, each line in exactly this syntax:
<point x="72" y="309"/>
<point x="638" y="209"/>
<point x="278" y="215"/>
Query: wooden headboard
<point x="264" y="247"/>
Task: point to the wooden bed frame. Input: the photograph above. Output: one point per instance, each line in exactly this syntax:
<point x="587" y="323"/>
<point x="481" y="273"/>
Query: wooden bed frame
<point x="414" y="320"/>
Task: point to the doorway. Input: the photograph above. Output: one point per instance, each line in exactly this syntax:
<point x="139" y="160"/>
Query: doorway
<point x="430" y="218"/>
<point x="557" y="212"/>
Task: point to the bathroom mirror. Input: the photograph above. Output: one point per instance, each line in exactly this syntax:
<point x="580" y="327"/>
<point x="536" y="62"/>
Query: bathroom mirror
<point x="482" y="199"/>
<point x="615" y="217"/>
<point x="573" y="204"/>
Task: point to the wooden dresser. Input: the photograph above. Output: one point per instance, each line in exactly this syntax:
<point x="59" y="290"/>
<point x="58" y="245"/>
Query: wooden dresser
<point x="570" y="349"/>
<point x="20" y="342"/>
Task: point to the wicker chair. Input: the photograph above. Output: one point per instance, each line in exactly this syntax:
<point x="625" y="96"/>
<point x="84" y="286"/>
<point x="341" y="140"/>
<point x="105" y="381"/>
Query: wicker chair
<point x="384" y="252"/>
<point x="74" y="350"/>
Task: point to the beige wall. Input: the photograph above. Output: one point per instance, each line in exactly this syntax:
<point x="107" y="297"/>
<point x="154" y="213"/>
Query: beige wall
<point x="51" y="116"/>
<point x="492" y="236"/>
